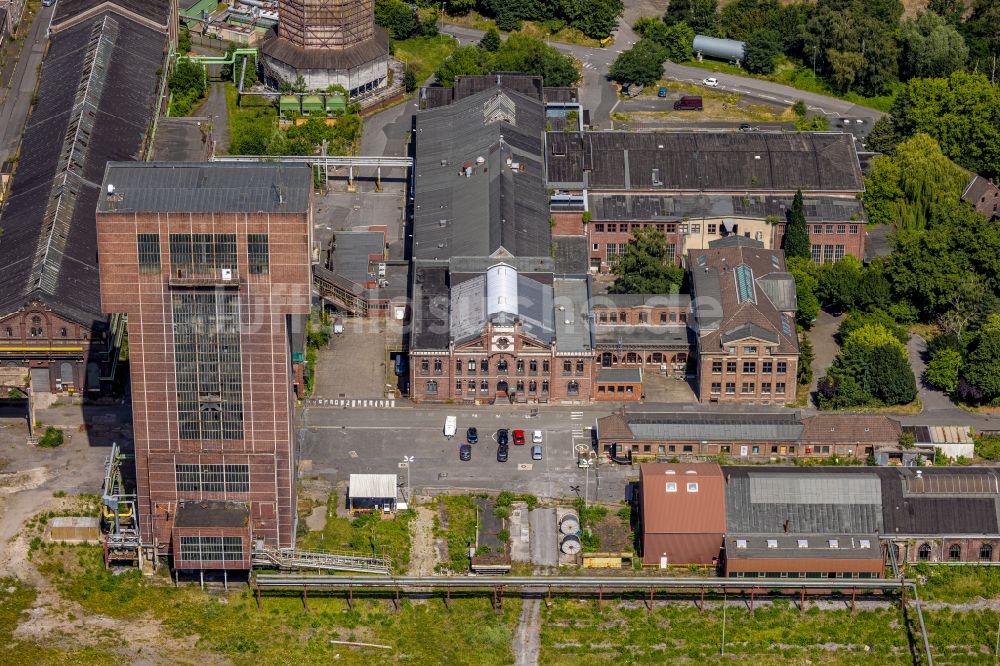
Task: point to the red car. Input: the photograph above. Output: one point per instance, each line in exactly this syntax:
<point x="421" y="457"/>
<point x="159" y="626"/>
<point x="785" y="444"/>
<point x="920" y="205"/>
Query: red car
<point x="519" y="437"/>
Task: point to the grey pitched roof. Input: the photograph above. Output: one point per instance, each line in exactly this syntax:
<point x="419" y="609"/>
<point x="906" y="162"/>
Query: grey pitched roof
<point x="715" y="426"/>
<point x="704" y="161"/>
<point x="96" y="96"/>
<point x="574" y="327"/>
<point x="640" y="300"/>
<point x="469" y="200"/>
<point x="762" y="502"/>
<point x="465" y="86"/>
<point x="773" y="546"/>
<point x="952" y="500"/>
<point x="468" y="313"/>
<point x="780" y="289"/>
<point x="207" y="187"/>
<point x="153" y="11"/>
<point x="431" y="309"/>
<point x="675" y="207"/>
<point x="671" y="336"/>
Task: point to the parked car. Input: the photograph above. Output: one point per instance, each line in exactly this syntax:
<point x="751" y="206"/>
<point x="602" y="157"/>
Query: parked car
<point x="536" y="452"/>
<point x="711" y="82"/>
<point x="662" y="92"/>
<point x="747" y="127"/>
<point x="472" y="435"/>
<point x="519" y="437"/>
<point x="502" y="452"/>
<point x="450" y="426"/>
<point x="536" y="437"/>
<point x="502" y="435"/>
<point x="465" y="453"/>
<point x="688" y="103"/>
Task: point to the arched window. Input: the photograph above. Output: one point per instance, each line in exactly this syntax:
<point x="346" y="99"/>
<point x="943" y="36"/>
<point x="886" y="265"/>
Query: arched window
<point x="924" y="552"/>
<point x="63" y="332"/>
<point x="36" y="327"/>
<point x="432" y="386"/>
<point x="9" y="332"/>
<point x="955" y="552"/>
<point x="986" y="552"/>
<point x="573" y="388"/>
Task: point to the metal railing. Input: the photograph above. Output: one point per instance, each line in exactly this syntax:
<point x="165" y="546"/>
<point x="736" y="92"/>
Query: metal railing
<point x="288" y="559"/>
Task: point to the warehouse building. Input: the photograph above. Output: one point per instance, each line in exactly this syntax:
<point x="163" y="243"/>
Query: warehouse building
<point x="97" y="97"/>
<point x="682" y="511"/>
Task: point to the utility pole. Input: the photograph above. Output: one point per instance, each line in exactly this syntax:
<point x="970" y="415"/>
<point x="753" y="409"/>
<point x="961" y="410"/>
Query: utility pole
<point x="815" y="46"/>
<point x="723" y="623"/>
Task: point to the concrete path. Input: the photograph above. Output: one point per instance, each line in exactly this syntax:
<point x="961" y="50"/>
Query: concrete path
<point x="215" y="107"/>
<point x="17" y="96"/>
<point x="527" y="641"/>
<point x="544" y="541"/>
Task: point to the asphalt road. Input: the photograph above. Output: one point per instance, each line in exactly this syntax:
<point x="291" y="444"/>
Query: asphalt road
<point x="17" y="99"/>
<point x="598" y="94"/>
<point x="340" y="442"/>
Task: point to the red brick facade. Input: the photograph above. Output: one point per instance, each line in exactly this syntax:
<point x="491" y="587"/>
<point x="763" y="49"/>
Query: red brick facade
<point x="747" y="372"/>
<point x="831" y="241"/>
<point x="608" y="240"/>
<point x="270" y="304"/>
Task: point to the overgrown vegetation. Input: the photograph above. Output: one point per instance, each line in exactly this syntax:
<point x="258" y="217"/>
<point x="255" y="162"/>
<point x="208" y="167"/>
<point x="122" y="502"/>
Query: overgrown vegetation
<point x="366" y="535"/>
<point x="229" y="627"/>
<point x="318" y="332"/>
<point x="423" y="55"/>
<point x="254" y="130"/>
<point x="187" y="85"/>
<point x="519" y="53"/>
<point x="647" y="265"/>
<point x="51" y="438"/>
<point x="459" y="529"/>
<point x="506" y="498"/>
<point x="594" y="18"/>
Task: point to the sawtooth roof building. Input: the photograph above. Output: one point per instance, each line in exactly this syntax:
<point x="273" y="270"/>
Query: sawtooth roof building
<point x="98" y="94"/>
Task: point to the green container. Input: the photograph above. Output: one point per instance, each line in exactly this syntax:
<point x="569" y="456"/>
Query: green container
<point x="335" y="103"/>
<point x="312" y="105"/>
<point x="289" y="104"/>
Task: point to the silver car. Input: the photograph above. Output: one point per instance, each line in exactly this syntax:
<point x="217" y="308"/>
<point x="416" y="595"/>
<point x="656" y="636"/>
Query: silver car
<point x="536" y="452"/>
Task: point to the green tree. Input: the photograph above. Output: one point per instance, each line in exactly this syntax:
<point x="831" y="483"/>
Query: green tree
<point x="409" y="78"/>
<point x="796" y="240"/>
<point x="643" y="63"/>
<point x="646" y="266"/>
<point x="856" y="320"/>
<point x="890" y="377"/>
<point x="701" y="15"/>
<point x="838" y="283"/>
<point x="927" y="179"/>
<point x="460" y="7"/>
<point x="676" y="40"/>
<point x="805" y="290"/>
<point x="950" y="10"/>
<point x="594" y="18"/>
<point x="762" y="49"/>
<point x="397" y="17"/>
<point x="873" y="367"/>
<point x="490" y="41"/>
<point x="465" y="60"/>
<point x="872" y="335"/>
<point x="524" y="53"/>
<point x="942" y="370"/>
<point x="981" y="34"/>
<point x="982" y="363"/>
<point x="184" y="41"/>
<point x="931" y="47"/>
<point x="883" y="197"/>
<point x="883" y="137"/>
<point x="961" y="113"/>
<point x="806" y="357"/>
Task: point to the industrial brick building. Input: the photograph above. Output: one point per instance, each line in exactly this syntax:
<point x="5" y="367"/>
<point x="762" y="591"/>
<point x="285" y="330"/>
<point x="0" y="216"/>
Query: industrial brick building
<point x="683" y="514"/>
<point x="744" y="319"/>
<point x="815" y="522"/>
<point x="211" y="263"/>
<point x="97" y="97"/>
<point x="696" y="187"/>
<point x="751" y="436"/>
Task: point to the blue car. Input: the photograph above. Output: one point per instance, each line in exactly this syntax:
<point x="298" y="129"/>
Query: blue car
<point x="472" y="435"/>
<point x="662" y="92"/>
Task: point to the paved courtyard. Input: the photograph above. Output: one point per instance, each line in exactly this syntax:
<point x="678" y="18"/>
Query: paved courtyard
<point x="354" y="364"/>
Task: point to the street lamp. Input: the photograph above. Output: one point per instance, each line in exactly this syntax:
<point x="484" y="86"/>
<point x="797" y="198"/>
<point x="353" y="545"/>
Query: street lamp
<point x="406" y="463"/>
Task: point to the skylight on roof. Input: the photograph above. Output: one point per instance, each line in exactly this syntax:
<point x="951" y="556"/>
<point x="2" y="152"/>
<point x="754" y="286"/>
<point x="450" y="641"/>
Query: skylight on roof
<point x="744" y="284"/>
<point x="741" y="543"/>
<point x="786" y="326"/>
<point x="772" y="543"/>
<point x="701" y="260"/>
<point x="774" y="260"/>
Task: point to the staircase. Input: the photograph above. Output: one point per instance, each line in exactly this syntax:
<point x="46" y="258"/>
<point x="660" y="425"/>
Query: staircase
<point x="290" y="560"/>
<point x="890" y="549"/>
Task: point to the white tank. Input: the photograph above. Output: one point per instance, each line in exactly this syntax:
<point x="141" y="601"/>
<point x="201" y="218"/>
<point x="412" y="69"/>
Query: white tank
<point x="501" y="290"/>
<point x="570" y="544"/>
<point x="570" y="524"/>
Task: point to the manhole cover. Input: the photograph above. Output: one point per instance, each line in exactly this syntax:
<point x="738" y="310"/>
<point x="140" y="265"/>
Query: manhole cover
<point x="524" y="467"/>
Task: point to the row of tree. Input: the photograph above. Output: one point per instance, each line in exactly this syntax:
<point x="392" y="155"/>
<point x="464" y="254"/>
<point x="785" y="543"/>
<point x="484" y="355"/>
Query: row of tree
<point x="402" y="21"/>
<point x="862" y="45"/>
<point x="594" y="18"/>
<point x="518" y="53"/>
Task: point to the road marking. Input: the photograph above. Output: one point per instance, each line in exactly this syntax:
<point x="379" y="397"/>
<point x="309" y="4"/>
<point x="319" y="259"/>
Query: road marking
<point x="524" y="467"/>
<point x="576" y="416"/>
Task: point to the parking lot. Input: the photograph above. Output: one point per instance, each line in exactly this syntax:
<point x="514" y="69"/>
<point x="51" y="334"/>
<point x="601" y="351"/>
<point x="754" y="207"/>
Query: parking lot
<point x="342" y="441"/>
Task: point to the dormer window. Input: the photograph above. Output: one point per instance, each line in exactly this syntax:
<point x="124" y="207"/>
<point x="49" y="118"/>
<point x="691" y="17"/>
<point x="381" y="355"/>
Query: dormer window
<point x="692" y="487"/>
<point x="671" y="487"/>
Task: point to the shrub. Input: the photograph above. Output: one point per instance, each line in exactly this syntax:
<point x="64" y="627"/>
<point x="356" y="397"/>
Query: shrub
<point x="52" y="438"/>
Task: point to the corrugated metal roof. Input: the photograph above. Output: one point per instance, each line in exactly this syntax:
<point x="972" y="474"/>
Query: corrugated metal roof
<point x="350" y="256"/>
<point x="714" y="426"/>
<point x="952" y="484"/>
<point x="206" y="187"/>
<point x="372" y="485"/>
<point x="772" y="502"/>
<point x="431" y="317"/>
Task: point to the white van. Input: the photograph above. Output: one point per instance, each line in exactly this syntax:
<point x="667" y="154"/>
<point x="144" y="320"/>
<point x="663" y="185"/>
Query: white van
<point x="450" y="426"/>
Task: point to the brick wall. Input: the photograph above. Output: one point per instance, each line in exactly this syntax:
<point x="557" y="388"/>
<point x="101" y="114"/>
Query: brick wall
<point x="830" y="241"/>
<point x="745" y="377"/>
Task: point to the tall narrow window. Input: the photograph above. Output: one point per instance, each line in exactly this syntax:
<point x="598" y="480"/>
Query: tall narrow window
<point x="257" y="254"/>
<point x="149" y="253"/>
<point x="208" y="365"/>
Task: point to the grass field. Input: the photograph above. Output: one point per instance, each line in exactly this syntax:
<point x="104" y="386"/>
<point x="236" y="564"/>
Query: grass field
<point x="390" y="537"/>
<point x="425" y="53"/>
<point x="458" y="528"/>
